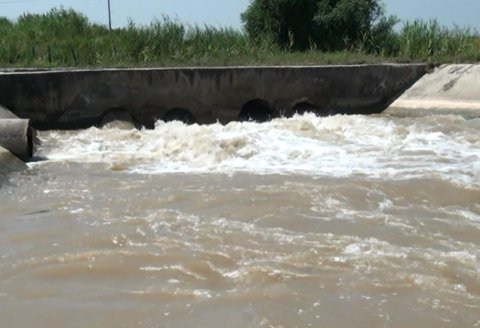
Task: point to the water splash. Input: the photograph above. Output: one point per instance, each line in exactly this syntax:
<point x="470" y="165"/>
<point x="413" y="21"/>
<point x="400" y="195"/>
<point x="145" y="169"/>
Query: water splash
<point x="447" y="147"/>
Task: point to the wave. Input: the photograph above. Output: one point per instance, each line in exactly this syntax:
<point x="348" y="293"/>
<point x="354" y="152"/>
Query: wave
<point x="382" y="147"/>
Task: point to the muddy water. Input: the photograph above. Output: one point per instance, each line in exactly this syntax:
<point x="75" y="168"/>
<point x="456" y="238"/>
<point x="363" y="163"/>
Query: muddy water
<point x="306" y="222"/>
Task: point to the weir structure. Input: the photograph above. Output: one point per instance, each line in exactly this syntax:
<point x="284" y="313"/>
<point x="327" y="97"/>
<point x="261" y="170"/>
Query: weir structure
<point x="75" y="99"/>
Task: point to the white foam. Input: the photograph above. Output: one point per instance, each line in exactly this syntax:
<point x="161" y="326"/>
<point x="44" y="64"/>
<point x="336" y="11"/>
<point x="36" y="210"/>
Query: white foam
<point x="339" y="146"/>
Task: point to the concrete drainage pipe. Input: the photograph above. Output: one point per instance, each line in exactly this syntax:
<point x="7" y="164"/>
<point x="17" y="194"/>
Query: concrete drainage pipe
<point x="16" y="136"/>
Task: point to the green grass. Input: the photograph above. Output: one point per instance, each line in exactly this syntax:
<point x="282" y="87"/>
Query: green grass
<point x="65" y="38"/>
<point x="420" y="40"/>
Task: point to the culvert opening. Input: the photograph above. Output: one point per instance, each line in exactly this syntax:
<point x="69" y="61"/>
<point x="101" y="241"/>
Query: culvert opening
<point x="16" y="137"/>
<point x="118" y="118"/>
<point x="302" y="108"/>
<point x="179" y="114"/>
<point x="257" y="110"/>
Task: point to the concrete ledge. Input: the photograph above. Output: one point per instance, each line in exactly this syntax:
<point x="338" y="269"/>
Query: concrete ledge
<point x="450" y="89"/>
<point x="71" y="99"/>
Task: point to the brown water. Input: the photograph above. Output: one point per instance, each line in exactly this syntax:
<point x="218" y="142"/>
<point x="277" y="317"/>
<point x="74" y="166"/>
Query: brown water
<point x="307" y="222"/>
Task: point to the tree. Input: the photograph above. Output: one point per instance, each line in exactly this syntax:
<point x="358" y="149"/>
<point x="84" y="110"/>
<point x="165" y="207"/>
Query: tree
<point x="289" y="23"/>
<point x="346" y="24"/>
<point x="325" y="24"/>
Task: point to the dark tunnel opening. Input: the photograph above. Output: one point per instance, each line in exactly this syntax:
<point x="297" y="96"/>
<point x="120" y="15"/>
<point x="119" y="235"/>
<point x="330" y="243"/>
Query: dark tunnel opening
<point x="302" y="108"/>
<point x="179" y="114"/>
<point x="257" y="110"/>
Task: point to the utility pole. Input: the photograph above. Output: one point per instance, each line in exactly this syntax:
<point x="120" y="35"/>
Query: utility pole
<point x="109" y="16"/>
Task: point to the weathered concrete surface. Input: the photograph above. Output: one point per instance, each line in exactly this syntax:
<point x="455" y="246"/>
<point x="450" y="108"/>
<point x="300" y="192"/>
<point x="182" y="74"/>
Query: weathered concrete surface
<point x="16" y="136"/>
<point x="10" y="163"/>
<point x="450" y="89"/>
<point x="79" y="98"/>
<point x="5" y="113"/>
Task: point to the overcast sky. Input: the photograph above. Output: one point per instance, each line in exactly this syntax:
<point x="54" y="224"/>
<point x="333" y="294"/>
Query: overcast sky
<point x="227" y="12"/>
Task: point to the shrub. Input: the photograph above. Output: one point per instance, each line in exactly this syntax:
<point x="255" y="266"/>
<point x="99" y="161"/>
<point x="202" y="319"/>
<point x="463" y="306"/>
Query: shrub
<point x="288" y="23"/>
<point x="322" y="24"/>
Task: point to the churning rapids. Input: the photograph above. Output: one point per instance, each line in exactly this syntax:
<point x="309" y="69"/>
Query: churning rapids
<point x="344" y="221"/>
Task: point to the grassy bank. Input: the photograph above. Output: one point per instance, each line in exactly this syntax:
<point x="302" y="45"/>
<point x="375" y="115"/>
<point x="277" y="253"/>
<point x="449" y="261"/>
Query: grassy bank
<point x="64" y="38"/>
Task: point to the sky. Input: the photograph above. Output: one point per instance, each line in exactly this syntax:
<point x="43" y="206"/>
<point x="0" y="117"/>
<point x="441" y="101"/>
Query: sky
<point x="227" y="12"/>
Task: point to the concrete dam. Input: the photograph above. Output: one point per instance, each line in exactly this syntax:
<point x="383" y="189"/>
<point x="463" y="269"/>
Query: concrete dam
<point x="76" y="99"/>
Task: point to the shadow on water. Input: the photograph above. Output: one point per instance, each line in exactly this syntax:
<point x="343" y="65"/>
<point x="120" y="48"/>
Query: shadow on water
<point x="38" y="212"/>
<point x="38" y="159"/>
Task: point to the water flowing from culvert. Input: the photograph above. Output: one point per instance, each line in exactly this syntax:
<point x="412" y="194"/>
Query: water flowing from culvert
<point x="364" y="221"/>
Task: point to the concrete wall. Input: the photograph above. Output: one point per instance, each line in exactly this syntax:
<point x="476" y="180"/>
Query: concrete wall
<point x="450" y="89"/>
<point x="79" y="98"/>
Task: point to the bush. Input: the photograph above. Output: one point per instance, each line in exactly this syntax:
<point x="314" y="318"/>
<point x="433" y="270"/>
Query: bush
<point x="352" y="24"/>
<point x="288" y="23"/>
<point x="330" y="25"/>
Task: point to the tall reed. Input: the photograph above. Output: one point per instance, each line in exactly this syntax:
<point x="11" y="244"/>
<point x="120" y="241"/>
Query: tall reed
<point x="421" y="40"/>
<point x="65" y="38"/>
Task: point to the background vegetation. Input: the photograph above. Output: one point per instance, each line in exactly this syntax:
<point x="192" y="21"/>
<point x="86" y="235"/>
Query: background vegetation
<point x="275" y="32"/>
<point x="359" y="26"/>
